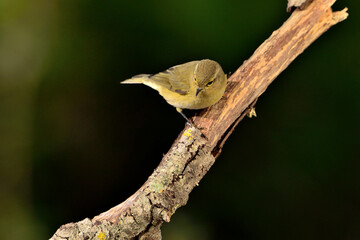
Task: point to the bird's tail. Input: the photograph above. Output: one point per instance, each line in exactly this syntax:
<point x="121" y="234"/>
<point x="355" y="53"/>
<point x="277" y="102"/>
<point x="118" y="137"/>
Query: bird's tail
<point x="136" y="79"/>
<point x="144" y="79"/>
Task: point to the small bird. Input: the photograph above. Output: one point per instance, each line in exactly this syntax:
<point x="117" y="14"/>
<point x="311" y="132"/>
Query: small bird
<point x="192" y="85"/>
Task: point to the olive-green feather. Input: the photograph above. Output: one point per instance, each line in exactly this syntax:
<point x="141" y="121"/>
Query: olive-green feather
<point x="175" y="79"/>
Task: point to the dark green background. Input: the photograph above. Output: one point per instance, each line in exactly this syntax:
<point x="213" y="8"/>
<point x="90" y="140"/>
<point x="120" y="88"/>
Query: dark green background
<point x="74" y="142"/>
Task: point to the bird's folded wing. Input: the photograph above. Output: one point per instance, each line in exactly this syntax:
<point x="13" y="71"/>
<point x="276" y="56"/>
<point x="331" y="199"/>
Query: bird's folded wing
<point x="177" y="78"/>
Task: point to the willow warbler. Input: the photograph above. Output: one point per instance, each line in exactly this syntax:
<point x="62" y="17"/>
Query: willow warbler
<point x="192" y="85"/>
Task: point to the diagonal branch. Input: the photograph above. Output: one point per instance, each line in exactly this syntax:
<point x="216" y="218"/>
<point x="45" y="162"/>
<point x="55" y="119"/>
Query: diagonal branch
<point x="195" y="151"/>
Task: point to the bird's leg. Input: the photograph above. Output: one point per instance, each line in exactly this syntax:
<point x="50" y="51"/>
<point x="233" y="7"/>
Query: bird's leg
<point x="182" y="114"/>
<point x="190" y="122"/>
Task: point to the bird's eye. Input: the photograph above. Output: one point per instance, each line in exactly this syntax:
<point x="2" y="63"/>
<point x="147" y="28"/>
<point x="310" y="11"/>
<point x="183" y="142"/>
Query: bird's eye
<point x="209" y="83"/>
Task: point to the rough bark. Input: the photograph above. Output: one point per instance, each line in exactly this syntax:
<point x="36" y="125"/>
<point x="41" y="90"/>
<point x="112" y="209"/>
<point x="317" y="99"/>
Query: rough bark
<point x="195" y="151"/>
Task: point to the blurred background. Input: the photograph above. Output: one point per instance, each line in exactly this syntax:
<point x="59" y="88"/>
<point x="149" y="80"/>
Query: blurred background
<point x="74" y="142"/>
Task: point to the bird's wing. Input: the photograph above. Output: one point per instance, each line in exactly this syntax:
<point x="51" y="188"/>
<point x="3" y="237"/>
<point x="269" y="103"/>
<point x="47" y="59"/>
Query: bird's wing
<point x="177" y="78"/>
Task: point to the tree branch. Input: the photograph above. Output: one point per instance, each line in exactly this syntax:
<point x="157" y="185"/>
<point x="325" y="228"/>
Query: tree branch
<point x="194" y="151"/>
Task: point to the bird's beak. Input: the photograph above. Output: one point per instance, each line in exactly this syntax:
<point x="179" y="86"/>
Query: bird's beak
<point x="198" y="90"/>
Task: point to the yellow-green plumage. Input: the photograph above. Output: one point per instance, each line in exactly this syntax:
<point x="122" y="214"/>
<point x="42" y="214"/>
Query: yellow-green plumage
<point x="192" y="85"/>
